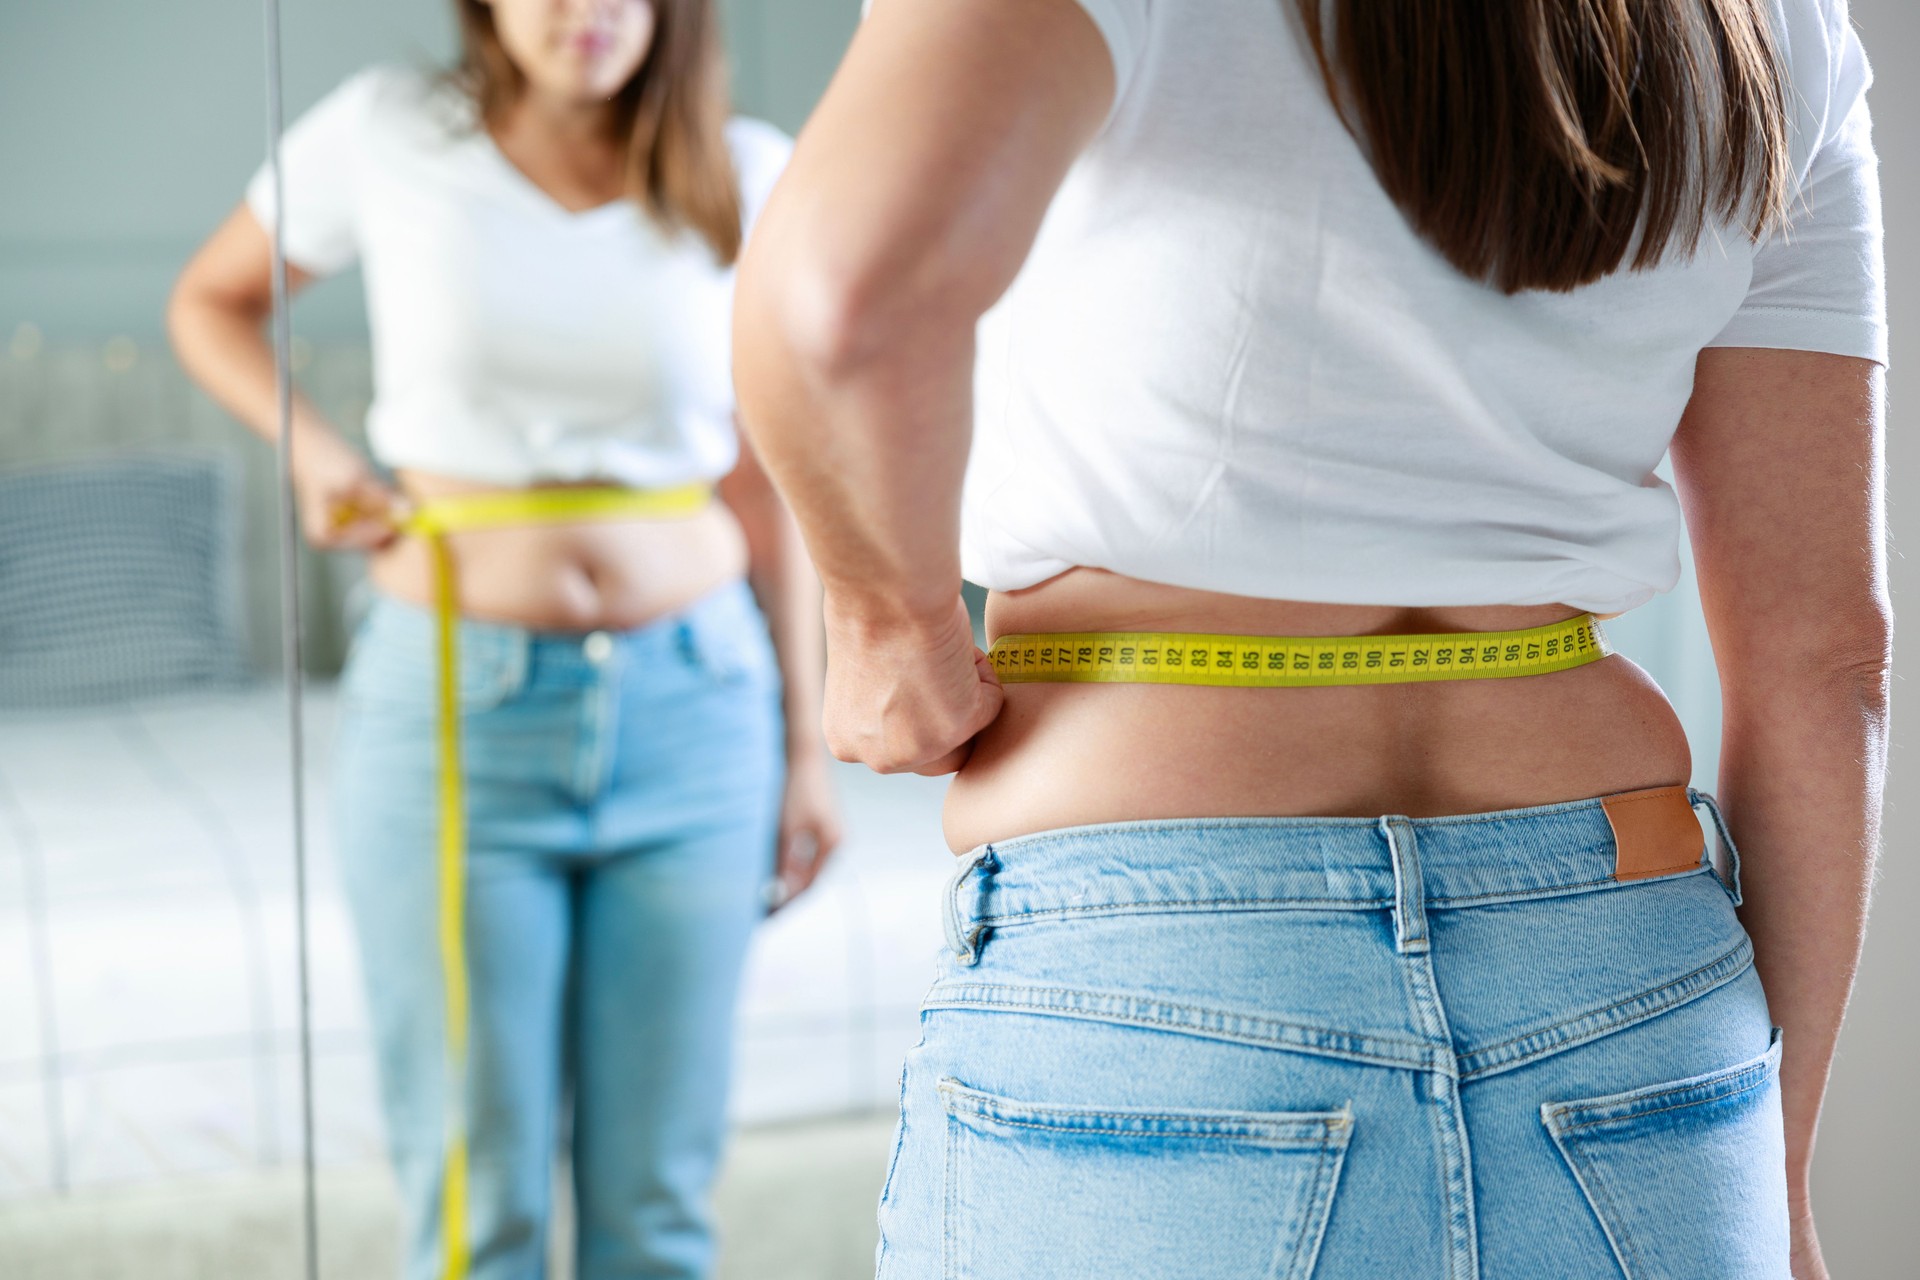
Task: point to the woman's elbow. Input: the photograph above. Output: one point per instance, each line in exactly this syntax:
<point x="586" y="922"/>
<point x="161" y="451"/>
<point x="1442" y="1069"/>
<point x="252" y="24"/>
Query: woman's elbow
<point x="184" y="303"/>
<point x="833" y="311"/>
<point x="802" y="315"/>
<point x="1846" y="650"/>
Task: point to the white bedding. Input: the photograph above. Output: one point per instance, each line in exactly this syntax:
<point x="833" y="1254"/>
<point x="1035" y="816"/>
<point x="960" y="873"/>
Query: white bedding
<point x="147" y="990"/>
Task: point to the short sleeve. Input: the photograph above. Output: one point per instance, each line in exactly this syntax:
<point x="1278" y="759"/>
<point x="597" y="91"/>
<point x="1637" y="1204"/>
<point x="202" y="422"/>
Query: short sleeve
<point x="760" y="154"/>
<point x="319" y="157"/>
<point x="1819" y="283"/>
<point x="1123" y="25"/>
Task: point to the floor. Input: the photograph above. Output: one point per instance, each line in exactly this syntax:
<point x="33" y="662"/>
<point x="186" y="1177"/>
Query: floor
<point x="795" y="1202"/>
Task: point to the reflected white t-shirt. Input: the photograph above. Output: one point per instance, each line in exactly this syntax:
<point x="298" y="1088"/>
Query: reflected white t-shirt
<point x="514" y="341"/>
<point x="1230" y="364"/>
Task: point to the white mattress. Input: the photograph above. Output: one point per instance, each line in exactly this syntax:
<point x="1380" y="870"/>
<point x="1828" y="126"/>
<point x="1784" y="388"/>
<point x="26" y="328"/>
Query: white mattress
<point x="147" y="960"/>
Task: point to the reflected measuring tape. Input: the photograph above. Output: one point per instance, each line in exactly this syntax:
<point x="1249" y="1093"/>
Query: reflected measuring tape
<point x="1295" y="662"/>
<point x="433" y="521"/>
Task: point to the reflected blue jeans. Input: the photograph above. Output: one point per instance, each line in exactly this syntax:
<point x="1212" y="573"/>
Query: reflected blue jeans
<point x="1348" y="1049"/>
<point x="622" y="795"/>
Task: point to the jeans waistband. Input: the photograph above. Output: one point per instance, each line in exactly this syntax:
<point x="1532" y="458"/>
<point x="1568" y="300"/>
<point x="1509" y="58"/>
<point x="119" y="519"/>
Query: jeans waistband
<point x="1251" y="864"/>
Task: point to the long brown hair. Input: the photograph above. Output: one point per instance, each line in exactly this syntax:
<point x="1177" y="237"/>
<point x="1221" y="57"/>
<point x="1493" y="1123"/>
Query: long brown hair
<point x="1542" y="144"/>
<point x="672" y="115"/>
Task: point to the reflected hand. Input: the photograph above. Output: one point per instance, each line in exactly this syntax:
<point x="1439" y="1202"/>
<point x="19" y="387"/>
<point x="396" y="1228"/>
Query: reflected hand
<point x="810" y="827"/>
<point x="344" y="504"/>
<point x="906" y="696"/>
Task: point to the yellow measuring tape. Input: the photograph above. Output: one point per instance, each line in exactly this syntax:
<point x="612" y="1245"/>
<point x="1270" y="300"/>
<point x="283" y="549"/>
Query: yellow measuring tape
<point x="432" y="522"/>
<point x="1295" y="662"/>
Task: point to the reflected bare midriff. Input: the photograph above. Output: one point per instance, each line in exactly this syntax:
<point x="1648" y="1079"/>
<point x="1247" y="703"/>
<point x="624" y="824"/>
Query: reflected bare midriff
<point x="577" y="577"/>
<point x="1069" y="754"/>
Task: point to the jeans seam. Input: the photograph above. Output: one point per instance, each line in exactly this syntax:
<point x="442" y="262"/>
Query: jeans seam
<point x="1748" y="1087"/>
<point x="1681" y="990"/>
<point x="950" y="1252"/>
<point x="1170" y="906"/>
<point x="1157" y="825"/>
<point x="1321" y="1122"/>
<point x="1591" y="1182"/>
<point x="1248" y="1139"/>
<point x="1366" y="1048"/>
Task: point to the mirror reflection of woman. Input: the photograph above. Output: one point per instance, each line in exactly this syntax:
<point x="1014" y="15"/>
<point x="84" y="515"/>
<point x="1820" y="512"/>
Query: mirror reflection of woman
<point x="547" y="238"/>
<point x="1335" y="318"/>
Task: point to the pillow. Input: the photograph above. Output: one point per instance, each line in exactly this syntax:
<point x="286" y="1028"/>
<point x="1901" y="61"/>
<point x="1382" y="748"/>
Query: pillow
<point x="119" y="578"/>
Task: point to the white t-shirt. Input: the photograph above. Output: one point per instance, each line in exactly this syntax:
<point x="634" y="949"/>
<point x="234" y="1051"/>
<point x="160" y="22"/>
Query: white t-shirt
<point x="1229" y="362"/>
<point x="514" y="341"/>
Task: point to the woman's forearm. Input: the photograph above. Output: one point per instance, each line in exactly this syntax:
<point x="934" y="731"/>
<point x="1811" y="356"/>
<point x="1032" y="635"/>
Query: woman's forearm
<point x="869" y="447"/>
<point x="224" y="351"/>
<point x="903" y="217"/>
<point x="216" y="318"/>
<point x="788" y="590"/>
<point x="1801" y="777"/>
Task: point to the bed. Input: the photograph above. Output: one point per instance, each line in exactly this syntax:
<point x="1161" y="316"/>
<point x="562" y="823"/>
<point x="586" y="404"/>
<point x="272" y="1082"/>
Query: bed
<point x="148" y="1001"/>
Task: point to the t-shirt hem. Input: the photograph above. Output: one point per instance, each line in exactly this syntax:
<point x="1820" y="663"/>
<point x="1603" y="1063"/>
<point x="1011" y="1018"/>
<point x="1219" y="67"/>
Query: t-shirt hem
<point x="1016" y="575"/>
<point x="1807" y="329"/>
<point x="1122" y="45"/>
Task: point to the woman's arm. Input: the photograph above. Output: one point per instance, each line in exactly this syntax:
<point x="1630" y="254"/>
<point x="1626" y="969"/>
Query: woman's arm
<point x="914" y="195"/>
<point x="1780" y="467"/>
<point x="214" y="316"/>
<point x="789" y="593"/>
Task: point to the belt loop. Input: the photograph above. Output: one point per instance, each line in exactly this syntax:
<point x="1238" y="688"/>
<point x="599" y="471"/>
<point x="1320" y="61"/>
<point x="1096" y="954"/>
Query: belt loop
<point x="1730" y="875"/>
<point x="963" y="932"/>
<point x="1409" y="894"/>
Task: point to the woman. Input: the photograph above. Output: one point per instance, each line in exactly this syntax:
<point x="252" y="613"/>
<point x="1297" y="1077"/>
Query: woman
<point x="1295" y="337"/>
<point x="547" y="240"/>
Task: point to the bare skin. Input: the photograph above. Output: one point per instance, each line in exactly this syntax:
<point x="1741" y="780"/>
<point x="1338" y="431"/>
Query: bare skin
<point x="911" y="204"/>
<point x="1060" y="755"/>
<point x="614" y="574"/>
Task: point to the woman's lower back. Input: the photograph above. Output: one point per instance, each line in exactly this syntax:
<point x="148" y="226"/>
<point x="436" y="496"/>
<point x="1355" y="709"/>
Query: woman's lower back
<point x="1064" y="755"/>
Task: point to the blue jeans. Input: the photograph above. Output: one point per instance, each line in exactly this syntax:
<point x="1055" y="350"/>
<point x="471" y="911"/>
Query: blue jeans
<point x="622" y="794"/>
<point x="1389" y="1049"/>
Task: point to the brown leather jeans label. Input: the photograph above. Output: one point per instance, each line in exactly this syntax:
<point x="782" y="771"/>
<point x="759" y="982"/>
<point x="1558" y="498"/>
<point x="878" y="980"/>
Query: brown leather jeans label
<point x="1654" y="833"/>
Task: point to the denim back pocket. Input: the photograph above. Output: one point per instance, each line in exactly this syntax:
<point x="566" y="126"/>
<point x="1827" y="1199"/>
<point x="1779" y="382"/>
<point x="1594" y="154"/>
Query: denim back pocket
<point x="1688" y="1178"/>
<point x="1089" y="1193"/>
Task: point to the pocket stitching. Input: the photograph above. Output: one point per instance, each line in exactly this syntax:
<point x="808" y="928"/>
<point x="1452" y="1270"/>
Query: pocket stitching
<point x="1330" y="1123"/>
<point x="1332" y="1141"/>
<point x="1326" y="1180"/>
<point x="1759" y="1082"/>
<point x="1762" y="1069"/>
<point x="1589" y="1175"/>
<point x="893" y="1161"/>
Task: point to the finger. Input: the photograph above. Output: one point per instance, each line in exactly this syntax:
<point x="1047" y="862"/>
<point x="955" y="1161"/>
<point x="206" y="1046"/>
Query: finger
<point x="361" y="535"/>
<point x="948" y="763"/>
<point x="801" y="859"/>
<point x="774" y="895"/>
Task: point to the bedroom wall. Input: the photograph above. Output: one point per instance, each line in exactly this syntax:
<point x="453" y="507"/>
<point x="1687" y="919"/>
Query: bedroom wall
<point x="1868" y="1162"/>
<point x="132" y="128"/>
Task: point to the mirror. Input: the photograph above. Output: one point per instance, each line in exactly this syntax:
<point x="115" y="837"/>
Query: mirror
<point x="151" y="1088"/>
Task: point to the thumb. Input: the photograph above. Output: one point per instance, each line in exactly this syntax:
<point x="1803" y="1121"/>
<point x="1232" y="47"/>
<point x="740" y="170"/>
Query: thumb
<point x="989" y="696"/>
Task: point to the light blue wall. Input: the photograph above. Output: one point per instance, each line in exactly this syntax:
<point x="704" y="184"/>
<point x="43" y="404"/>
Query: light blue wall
<point x="128" y="129"/>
